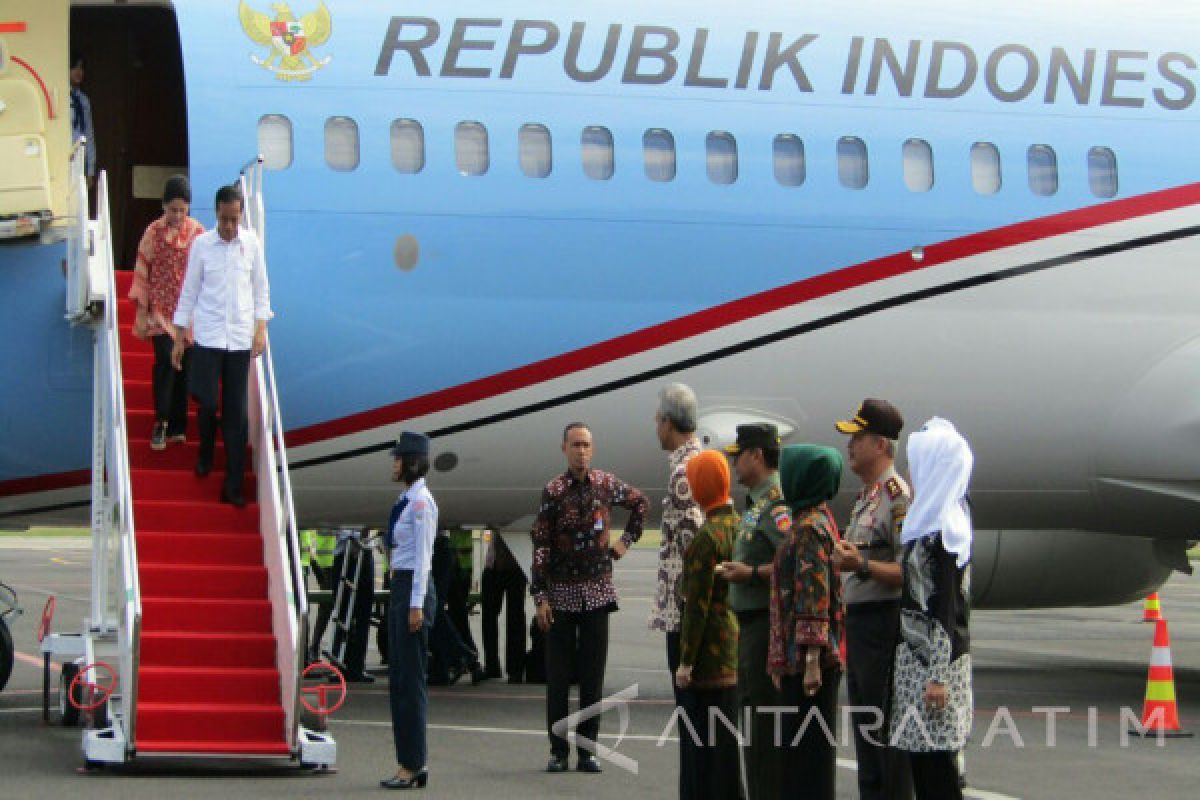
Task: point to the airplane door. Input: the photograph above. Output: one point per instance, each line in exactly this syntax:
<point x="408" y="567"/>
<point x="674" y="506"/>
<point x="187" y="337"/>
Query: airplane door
<point x="133" y="76"/>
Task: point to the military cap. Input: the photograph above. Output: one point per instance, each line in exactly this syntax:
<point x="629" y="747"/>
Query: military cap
<point x="411" y="444"/>
<point x="755" y="434"/>
<point x="874" y="416"/>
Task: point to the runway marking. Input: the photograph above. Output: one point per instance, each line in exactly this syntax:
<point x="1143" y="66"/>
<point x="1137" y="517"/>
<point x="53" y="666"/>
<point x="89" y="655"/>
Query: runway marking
<point x="844" y="763"/>
<point x="47" y="592"/>
<point x="62" y="561"/>
<point x="29" y="710"/>
<point x="34" y="661"/>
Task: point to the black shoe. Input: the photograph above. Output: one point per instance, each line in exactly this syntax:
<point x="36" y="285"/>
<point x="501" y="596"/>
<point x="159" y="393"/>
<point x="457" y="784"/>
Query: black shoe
<point x="418" y="781"/>
<point x="557" y="764"/>
<point x="158" y="439"/>
<point x="515" y="679"/>
<point x="478" y="676"/>
<point x="453" y="674"/>
<point x="235" y="499"/>
<point x="588" y="764"/>
<point x="492" y="672"/>
<point x="203" y="466"/>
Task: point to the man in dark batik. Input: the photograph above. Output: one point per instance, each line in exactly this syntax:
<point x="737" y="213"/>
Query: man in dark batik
<point x="572" y="584"/>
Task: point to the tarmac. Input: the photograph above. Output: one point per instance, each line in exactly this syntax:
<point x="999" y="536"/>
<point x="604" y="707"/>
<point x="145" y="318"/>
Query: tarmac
<point x="489" y="741"/>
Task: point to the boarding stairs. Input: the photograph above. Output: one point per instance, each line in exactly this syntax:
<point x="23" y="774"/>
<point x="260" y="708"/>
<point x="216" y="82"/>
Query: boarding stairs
<point x="198" y="608"/>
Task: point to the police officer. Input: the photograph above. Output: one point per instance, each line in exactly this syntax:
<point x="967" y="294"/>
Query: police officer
<point x="755" y="460"/>
<point x="869" y="559"/>
<point x="412" y="528"/>
<point x="318" y="545"/>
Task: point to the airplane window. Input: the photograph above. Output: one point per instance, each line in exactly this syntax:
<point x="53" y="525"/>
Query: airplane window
<point x="722" y="157"/>
<point x="1043" y="170"/>
<point x="408" y="146"/>
<point x="985" y="168"/>
<point x="1102" y="171"/>
<point x="598" y="153"/>
<point x="658" y="149"/>
<point x="852" y="162"/>
<point x="790" y="168"/>
<point x="471" y="148"/>
<point x="275" y="141"/>
<point x="918" y="165"/>
<point x="341" y="143"/>
<point x="533" y="142"/>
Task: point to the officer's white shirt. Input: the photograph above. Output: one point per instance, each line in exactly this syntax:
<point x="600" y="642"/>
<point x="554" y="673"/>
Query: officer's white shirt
<point x="412" y="539"/>
<point x="225" y="290"/>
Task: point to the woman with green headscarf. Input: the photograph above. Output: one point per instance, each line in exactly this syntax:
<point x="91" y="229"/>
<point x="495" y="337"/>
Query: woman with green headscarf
<point x="806" y="621"/>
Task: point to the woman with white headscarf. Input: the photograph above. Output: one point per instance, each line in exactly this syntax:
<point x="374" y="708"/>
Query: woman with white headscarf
<point x="932" y="705"/>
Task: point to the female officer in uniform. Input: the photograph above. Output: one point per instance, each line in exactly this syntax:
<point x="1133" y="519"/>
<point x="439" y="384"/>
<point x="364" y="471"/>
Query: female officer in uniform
<point x="412" y="528"/>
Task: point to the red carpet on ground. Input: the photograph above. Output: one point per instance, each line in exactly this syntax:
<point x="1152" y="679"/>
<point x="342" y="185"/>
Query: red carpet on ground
<point x="208" y="681"/>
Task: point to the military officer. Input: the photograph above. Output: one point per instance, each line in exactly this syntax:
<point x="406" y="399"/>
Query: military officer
<point x="869" y="559"/>
<point x="755" y="461"/>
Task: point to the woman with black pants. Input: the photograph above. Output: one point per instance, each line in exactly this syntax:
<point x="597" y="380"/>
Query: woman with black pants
<point x="162" y="258"/>
<point x="413" y="602"/>
<point x="807" y="625"/>
<point x="932" y="705"/>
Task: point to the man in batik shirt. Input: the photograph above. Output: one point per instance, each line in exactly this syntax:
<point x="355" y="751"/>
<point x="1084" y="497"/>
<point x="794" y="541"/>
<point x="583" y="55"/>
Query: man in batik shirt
<point x="675" y="424"/>
<point x="572" y="585"/>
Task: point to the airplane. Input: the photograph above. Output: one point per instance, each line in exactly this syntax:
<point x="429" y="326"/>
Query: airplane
<point x="485" y="222"/>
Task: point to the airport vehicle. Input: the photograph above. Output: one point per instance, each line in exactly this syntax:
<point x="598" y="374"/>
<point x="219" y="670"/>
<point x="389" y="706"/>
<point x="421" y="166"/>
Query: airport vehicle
<point x="484" y="223"/>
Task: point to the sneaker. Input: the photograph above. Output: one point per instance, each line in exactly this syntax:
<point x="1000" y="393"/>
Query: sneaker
<point x="557" y="764"/>
<point x="158" y="439"/>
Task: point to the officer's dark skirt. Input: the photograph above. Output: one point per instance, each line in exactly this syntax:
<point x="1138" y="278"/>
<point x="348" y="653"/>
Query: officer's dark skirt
<point x="407" y="664"/>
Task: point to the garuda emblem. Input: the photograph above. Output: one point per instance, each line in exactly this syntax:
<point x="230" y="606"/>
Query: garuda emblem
<point x="291" y="40"/>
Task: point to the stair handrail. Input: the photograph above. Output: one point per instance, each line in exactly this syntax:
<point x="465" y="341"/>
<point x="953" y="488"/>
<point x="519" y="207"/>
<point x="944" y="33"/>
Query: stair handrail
<point x="278" y="477"/>
<point x="112" y="495"/>
<point x="86" y="280"/>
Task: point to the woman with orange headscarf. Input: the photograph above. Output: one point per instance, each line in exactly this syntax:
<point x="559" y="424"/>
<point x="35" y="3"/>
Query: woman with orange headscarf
<point x="707" y="671"/>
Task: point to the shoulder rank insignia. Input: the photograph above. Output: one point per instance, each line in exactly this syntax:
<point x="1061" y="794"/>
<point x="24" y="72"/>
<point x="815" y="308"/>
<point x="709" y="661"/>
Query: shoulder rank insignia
<point x="893" y="488"/>
<point x="783" y="518"/>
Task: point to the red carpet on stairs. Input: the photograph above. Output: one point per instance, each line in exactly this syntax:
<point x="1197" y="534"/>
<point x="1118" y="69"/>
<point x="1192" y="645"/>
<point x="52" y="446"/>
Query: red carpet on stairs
<point x="208" y="681"/>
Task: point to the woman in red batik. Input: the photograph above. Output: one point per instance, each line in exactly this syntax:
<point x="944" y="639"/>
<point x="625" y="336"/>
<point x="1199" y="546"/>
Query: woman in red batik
<point x="162" y="259"/>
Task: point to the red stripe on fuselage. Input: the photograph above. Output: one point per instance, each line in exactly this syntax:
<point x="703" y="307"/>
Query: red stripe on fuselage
<point x="747" y="308"/>
<point x="45" y="483"/>
<point x="704" y="321"/>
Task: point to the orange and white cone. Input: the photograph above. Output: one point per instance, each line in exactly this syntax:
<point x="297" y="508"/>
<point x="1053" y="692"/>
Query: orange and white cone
<point x="1160" y="714"/>
<point x="1152" y="610"/>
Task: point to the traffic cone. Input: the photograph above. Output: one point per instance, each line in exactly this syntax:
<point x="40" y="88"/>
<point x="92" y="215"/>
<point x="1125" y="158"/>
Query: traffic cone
<point x="1152" y="611"/>
<point x="1160" y="714"/>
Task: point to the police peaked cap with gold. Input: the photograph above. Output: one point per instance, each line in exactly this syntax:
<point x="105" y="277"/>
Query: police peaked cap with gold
<point x="874" y="416"/>
<point x="756" y="434"/>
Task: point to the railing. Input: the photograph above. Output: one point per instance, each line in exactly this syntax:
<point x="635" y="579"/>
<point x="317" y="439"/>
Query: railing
<point x="114" y="548"/>
<point x="277" y="509"/>
<point x="86" y="279"/>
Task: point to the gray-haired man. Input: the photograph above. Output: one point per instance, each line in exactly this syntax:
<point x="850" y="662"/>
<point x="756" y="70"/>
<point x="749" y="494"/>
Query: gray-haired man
<point x="675" y="424"/>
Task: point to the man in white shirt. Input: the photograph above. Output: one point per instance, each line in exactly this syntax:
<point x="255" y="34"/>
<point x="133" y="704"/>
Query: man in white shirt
<point x="226" y="301"/>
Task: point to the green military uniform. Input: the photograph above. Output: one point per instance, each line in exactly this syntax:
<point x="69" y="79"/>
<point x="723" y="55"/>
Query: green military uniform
<point x="764" y="526"/>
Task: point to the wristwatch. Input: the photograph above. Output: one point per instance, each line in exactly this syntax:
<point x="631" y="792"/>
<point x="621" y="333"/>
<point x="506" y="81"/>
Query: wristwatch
<point x="863" y="573"/>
